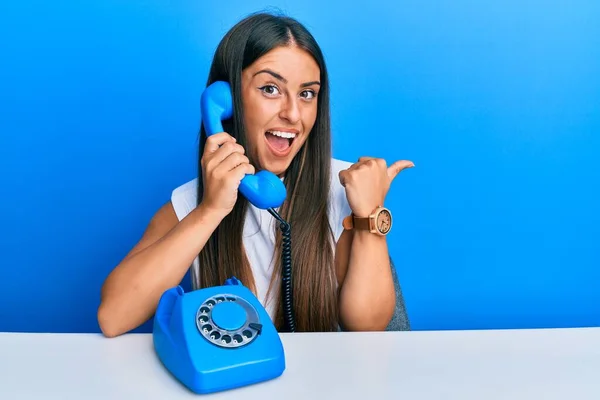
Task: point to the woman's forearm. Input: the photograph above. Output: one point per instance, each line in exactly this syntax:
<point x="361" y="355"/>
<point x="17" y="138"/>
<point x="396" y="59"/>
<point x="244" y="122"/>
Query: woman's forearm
<point x="131" y="292"/>
<point x="367" y="296"/>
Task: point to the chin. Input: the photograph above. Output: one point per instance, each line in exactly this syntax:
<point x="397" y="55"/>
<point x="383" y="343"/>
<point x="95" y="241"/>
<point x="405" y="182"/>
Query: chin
<point x="278" y="167"/>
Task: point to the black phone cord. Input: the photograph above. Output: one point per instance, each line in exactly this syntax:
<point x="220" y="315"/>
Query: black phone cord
<point x="286" y="271"/>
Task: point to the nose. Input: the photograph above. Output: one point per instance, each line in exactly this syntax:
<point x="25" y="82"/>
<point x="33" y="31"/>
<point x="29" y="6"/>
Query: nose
<point x="290" y="110"/>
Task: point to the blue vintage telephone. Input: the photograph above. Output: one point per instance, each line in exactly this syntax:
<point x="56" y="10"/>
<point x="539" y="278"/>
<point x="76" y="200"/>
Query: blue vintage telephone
<point x="220" y="338"/>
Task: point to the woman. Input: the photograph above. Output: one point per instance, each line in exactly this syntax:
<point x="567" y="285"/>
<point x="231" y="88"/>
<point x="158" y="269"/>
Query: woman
<point x="342" y="276"/>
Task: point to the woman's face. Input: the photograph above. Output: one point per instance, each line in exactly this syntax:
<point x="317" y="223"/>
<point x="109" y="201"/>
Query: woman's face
<point x="279" y="96"/>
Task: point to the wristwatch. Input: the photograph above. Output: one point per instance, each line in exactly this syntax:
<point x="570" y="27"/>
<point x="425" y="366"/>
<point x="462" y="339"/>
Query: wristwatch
<point x="379" y="222"/>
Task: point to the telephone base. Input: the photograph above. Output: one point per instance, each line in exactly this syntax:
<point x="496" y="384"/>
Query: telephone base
<point x="217" y="338"/>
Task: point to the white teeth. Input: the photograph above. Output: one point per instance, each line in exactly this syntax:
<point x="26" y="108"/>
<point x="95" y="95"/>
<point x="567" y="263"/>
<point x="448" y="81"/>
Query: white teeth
<point x="287" y="135"/>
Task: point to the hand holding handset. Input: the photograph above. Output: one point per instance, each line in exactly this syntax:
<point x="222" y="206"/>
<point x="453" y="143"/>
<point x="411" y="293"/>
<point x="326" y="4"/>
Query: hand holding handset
<point x="220" y="338"/>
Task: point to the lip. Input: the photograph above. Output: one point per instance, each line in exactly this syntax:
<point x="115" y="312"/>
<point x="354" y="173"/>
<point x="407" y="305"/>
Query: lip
<point x="296" y="131"/>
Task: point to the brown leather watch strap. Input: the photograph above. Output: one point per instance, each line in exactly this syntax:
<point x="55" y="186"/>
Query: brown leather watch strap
<point x="352" y="222"/>
<point x="347" y="223"/>
<point x="362" y="223"/>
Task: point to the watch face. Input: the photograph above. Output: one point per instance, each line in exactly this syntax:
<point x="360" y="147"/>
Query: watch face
<point x="384" y="221"/>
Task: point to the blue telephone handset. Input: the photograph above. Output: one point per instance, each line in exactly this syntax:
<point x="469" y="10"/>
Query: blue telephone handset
<point x="263" y="189"/>
<point x="221" y="337"/>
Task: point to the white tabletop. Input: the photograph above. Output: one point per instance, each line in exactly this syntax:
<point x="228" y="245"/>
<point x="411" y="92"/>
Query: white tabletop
<point x="511" y="364"/>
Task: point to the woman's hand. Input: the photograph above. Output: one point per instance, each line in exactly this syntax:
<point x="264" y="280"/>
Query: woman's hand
<point x="368" y="181"/>
<point x="224" y="165"/>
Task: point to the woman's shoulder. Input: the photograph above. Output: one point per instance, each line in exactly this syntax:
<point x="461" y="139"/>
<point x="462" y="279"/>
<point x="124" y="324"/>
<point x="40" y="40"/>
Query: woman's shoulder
<point x="184" y="198"/>
<point x="338" y="166"/>
<point x="338" y="203"/>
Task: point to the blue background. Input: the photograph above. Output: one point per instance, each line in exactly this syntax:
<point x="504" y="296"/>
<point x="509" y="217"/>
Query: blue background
<point x="496" y="102"/>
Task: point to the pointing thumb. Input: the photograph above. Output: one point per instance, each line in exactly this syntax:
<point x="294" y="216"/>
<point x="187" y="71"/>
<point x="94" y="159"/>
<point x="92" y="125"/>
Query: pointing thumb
<point x="395" y="168"/>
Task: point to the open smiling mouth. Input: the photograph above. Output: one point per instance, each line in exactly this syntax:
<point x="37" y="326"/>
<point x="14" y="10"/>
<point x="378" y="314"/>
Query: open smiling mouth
<point x="280" y="142"/>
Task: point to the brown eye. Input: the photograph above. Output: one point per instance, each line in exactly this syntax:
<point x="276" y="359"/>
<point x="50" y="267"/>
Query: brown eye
<point x="308" y="94"/>
<point x="269" y="90"/>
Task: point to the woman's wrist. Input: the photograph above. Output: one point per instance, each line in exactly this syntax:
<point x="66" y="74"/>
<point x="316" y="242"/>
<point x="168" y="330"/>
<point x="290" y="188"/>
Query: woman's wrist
<point x="208" y="216"/>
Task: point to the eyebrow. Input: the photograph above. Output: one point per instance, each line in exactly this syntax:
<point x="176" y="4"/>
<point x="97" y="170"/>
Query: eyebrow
<point x="282" y="79"/>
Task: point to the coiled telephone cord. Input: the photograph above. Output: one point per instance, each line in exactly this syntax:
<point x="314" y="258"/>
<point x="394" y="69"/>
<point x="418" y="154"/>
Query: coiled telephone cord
<point x="286" y="271"/>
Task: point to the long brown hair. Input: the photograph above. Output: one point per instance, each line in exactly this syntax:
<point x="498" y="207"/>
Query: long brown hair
<point x="307" y="181"/>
